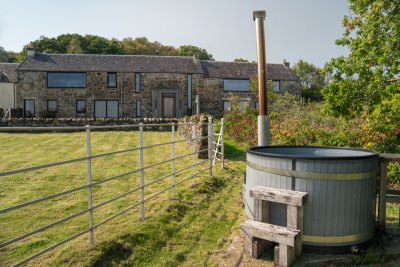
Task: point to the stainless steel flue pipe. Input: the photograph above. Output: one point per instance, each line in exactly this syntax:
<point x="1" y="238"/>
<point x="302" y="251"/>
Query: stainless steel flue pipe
<point x="263" y="122"/>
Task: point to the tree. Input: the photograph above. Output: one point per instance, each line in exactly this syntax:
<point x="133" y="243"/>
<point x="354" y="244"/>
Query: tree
<point x="8" y="56"/>
<point x="96" y="44"/>
<point x="142" y="46"/>
<point x="74" y="47"/>
<point x="115" y="47"/>
<point x="271" y="95"/>
<point x="239" y="59"/>
<point x="93" y="44"/>
<point x="368" y="77"/>
<point x="312" y="80"/>
<point x="190" y="50"/>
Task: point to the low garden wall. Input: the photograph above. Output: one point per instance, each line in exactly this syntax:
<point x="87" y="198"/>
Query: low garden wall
<point x="185" y="130"/>
<point x="63" y="122"/>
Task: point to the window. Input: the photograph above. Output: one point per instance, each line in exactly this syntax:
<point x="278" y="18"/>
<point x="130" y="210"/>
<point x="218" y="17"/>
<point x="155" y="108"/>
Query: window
<point x="236" y="85"/>
<point x="80" y="106"/>
<point x="227" y="105"/>
<point x="138" y="108"/>
<point x="112" y="79"/>
<point x="29" y="108"/>
<point x="277" y="86"/>
<point x="106" y="108"/>
<point x="66" y="79"/>
<point x="137" y="82"/>
<point x="52" y="105"/>
<point x="243" y="105"/>
<point x="189" y="87"/>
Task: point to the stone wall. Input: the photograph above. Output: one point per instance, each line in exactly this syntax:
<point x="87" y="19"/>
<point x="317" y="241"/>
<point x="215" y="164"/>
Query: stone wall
<point x="33" y="85"/>
<point x="185" y="129"/>
<point x="210" y="94"/>
<point x="63" y="122"/>
<point x="154" y="84"/>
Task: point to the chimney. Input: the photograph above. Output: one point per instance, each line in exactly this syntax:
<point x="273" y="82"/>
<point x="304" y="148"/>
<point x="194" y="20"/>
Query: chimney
<point x="31" y="51"/>
<point x="263" y="122"/>
<point x="287" y="64"/>
<point x="195" y="57"/>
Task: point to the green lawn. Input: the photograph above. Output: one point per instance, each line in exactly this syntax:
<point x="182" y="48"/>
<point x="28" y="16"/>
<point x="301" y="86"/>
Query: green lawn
<point x="190" y="230"/>
<point x="181" y="231"/>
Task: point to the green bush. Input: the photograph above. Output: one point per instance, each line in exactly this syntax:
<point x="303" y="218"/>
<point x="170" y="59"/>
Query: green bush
<point x="296" y="122"/>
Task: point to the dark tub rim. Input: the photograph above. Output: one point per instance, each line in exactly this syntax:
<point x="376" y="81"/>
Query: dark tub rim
<point x="253" y="151"/>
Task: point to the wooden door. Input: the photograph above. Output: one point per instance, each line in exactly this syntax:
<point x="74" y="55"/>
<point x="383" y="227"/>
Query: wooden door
<point x="169" y="107"/>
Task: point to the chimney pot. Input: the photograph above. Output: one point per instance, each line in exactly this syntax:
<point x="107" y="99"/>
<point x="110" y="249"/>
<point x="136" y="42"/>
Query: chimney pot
<point x="31" y="51"/>
<point x="195" y="57"/>
<point x="287" y="64"/>
<point x="259" y="14"/>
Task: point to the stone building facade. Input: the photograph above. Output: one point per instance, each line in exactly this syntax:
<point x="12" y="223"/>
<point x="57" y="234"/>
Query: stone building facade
<point x="135" y="86"/>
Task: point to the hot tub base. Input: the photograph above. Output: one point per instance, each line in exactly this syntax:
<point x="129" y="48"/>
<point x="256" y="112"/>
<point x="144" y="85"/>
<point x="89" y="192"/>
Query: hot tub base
<point x="338" y="249"/>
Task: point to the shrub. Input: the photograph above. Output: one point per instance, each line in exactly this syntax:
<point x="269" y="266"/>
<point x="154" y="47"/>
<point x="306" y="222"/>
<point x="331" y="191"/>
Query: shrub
<point x="296" y="122"/>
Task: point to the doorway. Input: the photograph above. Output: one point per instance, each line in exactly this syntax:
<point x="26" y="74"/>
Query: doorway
<point x="167" y="103"/>
<point x="168" y="109"/>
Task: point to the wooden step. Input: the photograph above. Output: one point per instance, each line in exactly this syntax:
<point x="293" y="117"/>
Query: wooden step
<point x="283" y="196"/>
<point x="270" y="232"/>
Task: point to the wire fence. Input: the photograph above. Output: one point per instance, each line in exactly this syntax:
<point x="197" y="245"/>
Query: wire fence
<point x="212" y="152"/>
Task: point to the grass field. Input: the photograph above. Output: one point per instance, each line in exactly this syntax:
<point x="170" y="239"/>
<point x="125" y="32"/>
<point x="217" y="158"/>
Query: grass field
<point x="185" y="230"/>
<point x="190" y="230"/>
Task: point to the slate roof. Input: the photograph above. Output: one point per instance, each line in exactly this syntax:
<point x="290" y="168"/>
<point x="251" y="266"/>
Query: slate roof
<point x="110" y="63"/>
<point x="154" y="64"/>
<point x="218" y="69"/>
<point x="7" y="72"/>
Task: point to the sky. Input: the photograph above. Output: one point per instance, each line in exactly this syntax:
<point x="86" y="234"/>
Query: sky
<point x="294" y="29"/>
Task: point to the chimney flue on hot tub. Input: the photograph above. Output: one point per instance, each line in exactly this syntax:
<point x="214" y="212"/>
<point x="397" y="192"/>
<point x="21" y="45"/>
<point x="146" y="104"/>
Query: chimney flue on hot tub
<point x="263" y="123"/>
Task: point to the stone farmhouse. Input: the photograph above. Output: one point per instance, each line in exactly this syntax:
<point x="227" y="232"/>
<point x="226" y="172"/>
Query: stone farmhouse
<point x="109" y="86"/>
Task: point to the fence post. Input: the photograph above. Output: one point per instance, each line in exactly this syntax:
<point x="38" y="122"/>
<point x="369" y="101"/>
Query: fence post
<point x="210" y="146"/>
<point x="89" y="183"/>
<point x="222" y="143"/>
<point x="141" y="171"/>
<point x="173" y="160"/>
<point x="194" y="152"/>
<point x="382" y="195"/>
